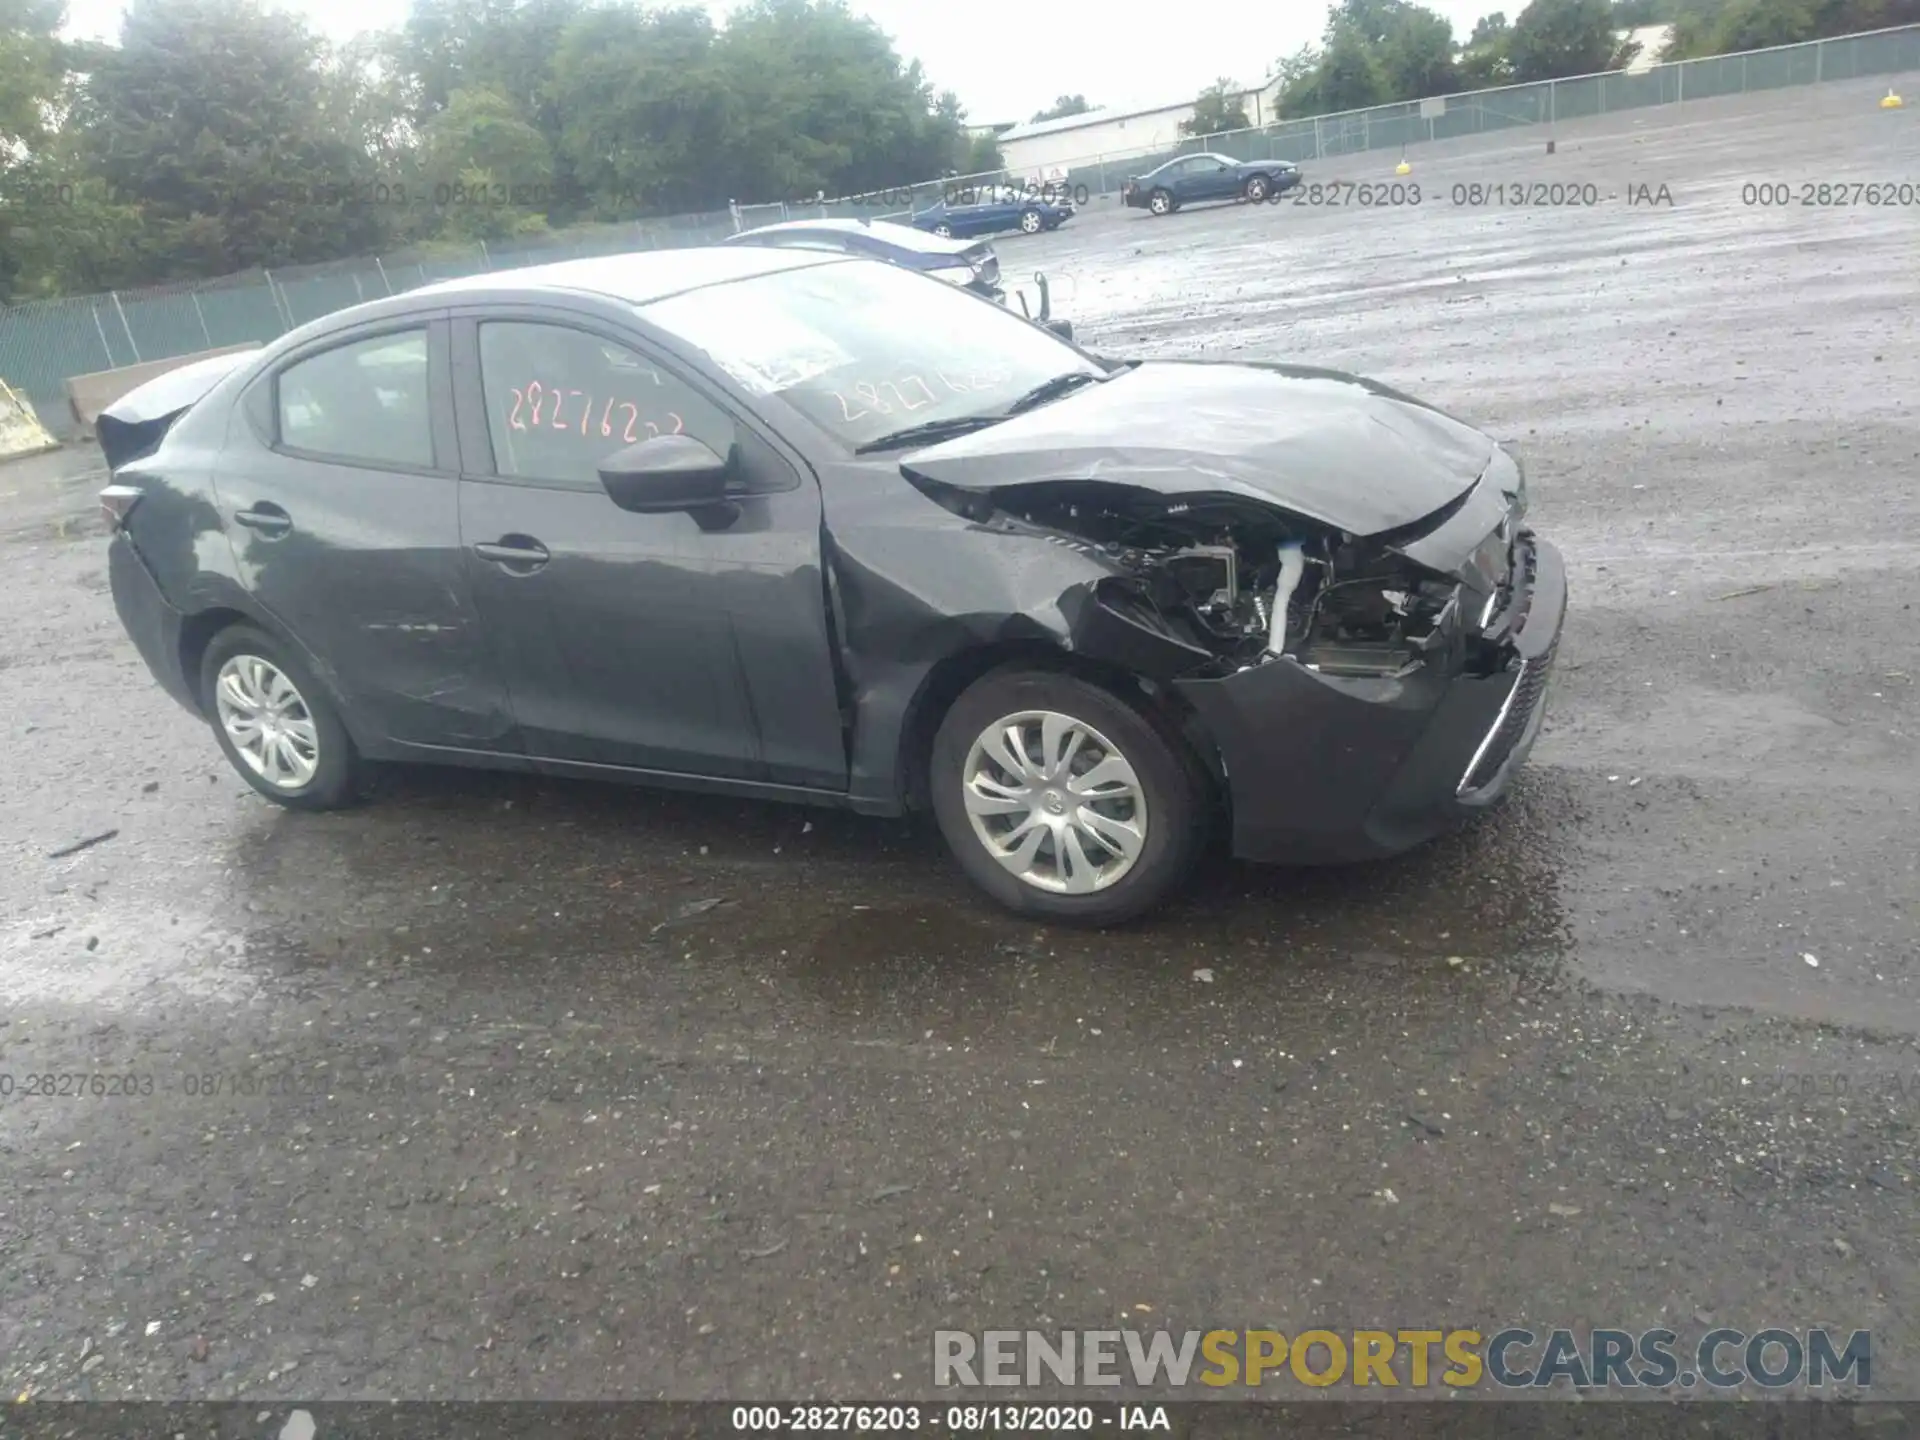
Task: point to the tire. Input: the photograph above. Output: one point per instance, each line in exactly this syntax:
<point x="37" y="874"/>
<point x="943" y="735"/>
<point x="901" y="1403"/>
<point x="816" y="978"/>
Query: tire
<point x="1167" y="809"/>
<point x="1258" y="189"/>
<point x="316" y="766"/>
<point x="1161" y="202"/>
<point x="944" y="231"/>
<point x="1030" y="222"/>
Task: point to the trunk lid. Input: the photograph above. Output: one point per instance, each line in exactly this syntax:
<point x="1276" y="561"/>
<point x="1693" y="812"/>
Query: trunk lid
<point x="134" y="425"/>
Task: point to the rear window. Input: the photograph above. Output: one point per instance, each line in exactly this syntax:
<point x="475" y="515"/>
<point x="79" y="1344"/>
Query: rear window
<point x="366" y="401"/>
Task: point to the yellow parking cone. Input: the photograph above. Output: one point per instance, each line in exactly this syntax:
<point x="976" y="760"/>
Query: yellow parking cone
<point x="1403" y="168"/>
<point x="1891" y="101"/>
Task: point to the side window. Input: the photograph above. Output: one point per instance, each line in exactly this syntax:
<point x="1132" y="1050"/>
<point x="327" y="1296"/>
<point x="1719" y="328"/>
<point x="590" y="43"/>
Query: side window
<point x="559" y="401"/>
<point x="367" y="401"/>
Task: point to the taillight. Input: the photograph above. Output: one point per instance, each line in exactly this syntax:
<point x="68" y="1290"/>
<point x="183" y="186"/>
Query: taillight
<point x="117" y="502"/>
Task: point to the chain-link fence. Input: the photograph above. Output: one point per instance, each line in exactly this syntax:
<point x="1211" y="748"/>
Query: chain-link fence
<point x="1413" y="122"/>
<point x="45" y="341"/>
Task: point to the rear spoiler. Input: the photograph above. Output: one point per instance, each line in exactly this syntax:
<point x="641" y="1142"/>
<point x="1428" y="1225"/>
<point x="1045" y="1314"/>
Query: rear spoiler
<point x="133" y="426"/>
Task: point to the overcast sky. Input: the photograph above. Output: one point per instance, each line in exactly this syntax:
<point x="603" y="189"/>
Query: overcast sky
<point x="1006" y="60"/>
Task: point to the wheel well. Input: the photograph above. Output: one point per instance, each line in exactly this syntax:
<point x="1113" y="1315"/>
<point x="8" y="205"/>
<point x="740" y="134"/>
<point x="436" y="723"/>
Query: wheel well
<point x="196" y="634"/>
<point x="951" y="676"/>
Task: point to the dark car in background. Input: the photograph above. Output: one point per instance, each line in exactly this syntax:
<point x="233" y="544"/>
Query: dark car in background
<point x="970" y="264"/>
<point x="993" y="209"/>
<point x="791" y="526"/>
<point x="1190" y="179"/>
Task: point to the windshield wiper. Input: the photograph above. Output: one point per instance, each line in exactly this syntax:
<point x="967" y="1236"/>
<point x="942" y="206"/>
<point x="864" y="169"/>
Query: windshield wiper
<point x="929" y="431"/>
<point x="1052" y="390"/>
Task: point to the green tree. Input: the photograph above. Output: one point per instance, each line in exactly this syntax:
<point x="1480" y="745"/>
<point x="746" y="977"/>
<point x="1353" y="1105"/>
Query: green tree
<point x="487" y="172"/>
<point x="1063" y="107"/>
<point x="818" y="100"/>
<point x="1348" y="78"/>
<point x="983" y="155"/>
<point x="1552" y="39"/>
<point x="1489" y="30"/>
<point x="1218" y="108"/>
<point x="1417" y="55"/>
<point x="642" y="116"/>
<point x="214" y="119"/>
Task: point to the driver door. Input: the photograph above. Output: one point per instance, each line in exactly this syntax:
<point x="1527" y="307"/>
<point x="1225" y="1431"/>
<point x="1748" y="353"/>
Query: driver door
<point x="662" y="643"/>
<point x="1215" y="178"/>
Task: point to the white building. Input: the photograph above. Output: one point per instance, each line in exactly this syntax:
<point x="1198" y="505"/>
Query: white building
<point x="1045" y="150"/>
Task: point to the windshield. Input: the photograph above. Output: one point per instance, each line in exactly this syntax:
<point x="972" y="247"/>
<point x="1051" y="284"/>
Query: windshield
<point x="866" y="349"/>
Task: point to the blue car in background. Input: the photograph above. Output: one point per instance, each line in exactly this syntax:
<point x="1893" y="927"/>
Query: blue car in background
<point x="990" y="211"/>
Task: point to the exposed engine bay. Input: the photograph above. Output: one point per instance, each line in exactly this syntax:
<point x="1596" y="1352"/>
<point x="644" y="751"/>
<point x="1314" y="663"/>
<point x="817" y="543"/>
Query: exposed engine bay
<point x="1245" y="582"/>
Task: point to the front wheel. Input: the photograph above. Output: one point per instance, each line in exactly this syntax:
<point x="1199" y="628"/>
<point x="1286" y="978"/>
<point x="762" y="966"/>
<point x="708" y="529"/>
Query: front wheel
<point x="1258" y="188"/>
<point x="1064" y="801"/>
<point x="945" y="232"/>
<point x="1160" y="202"/>
<point x="1030" y="222"/>
<point x="274" y="722"/>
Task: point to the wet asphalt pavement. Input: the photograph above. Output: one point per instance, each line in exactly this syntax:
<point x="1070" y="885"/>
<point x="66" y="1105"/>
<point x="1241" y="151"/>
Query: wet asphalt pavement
<point x="571" y="1092"/>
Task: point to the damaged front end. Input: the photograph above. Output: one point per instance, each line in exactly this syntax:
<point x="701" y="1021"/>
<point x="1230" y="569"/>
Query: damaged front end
<point x="1223" y="583"/>
<point x="1358" y="693"/>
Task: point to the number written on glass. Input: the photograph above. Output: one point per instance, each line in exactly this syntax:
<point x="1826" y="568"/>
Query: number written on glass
<point x="575" y="410"/>
<point x="908" y="394"/>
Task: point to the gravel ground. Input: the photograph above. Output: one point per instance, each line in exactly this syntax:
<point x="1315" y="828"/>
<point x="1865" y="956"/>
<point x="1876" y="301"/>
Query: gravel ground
<point x="575" y="1092"/>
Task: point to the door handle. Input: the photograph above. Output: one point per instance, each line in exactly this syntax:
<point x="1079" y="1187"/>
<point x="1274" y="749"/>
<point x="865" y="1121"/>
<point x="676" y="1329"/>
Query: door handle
<point x="269" y="519"/>
<point x="515" y="552"/>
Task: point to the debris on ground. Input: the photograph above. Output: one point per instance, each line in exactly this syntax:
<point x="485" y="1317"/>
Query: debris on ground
<point x="1204" y="976"/>
<point x="688" y="911"/>
<point x="79" y="845"/>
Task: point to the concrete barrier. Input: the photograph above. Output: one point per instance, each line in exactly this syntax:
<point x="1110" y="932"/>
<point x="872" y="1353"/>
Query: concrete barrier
<point x="88" y="395"/>
<point x="21" y="432"/>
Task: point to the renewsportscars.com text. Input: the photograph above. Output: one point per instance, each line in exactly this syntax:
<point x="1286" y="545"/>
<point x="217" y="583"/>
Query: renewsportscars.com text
<point x="1510" y="1359"/>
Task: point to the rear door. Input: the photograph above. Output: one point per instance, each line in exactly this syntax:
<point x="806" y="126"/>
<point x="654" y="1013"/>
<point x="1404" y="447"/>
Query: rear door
<point x="664" y="643"/>
<point x="343" y="514"/>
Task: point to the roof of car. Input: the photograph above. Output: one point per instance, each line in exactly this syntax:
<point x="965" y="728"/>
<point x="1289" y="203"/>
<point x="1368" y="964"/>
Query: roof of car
<point x="638" y="277"/>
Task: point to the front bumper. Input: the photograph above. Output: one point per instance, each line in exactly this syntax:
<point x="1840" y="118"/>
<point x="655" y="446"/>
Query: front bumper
<point x="1321" y="769"/>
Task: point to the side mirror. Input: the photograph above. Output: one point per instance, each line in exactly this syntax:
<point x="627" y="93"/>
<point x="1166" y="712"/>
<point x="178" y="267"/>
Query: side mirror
<point x="1062" y="328"/>
<point x="665" y="474"/>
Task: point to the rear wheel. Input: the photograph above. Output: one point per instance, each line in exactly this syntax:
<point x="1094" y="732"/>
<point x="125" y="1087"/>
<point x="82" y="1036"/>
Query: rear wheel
<point x="1062" y="800"/>
<point x="943" y="230"/>
<point x="274" y="722"/>
<point x="1160" y="202"/>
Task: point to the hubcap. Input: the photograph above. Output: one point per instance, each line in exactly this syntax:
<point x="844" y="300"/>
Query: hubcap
<point x="1257" y="190"/>
<point x="268" y="722"/>
<point x="1055" y="802"/>
<point x="1159" y="204"/>
<point x="1029" y="223"/>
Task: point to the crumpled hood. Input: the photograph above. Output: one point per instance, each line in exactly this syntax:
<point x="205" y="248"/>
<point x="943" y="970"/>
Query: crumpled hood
<point x="1326" y="445"/>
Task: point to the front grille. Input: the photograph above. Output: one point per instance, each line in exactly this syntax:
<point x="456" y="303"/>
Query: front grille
<point x="1511" y="723"/>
